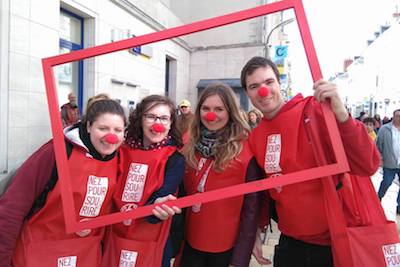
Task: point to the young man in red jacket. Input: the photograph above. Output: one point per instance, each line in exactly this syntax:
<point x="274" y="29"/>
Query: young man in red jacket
<point x="281" y="145"/>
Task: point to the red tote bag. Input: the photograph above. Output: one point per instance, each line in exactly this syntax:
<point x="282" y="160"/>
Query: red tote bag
<point x="372" y="243"/>
<point x="360" y="234"/>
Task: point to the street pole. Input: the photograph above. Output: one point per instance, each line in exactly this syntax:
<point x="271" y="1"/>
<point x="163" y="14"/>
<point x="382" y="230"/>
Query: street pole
<point x="283" y="23"/>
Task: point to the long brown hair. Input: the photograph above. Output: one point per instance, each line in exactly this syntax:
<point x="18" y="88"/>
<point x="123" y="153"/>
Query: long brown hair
<point x="135" y="128"/>
<point x="235" y="131"/>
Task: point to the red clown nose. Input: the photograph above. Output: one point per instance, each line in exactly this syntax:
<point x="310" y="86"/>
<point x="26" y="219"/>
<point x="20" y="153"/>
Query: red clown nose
<point x="263" y="91"/>
<point x="210" y="116"/>
<point x="158" y="127"/>
<point x="111" y="138"/>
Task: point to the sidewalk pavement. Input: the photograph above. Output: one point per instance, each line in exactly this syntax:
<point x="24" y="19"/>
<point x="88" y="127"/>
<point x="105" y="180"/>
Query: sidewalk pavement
<point x="389" y="204"/>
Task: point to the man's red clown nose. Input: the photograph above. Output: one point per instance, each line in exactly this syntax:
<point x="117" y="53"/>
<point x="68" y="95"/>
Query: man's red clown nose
<point x="158" y="127"/>
<point x="263" y="91"/>
<point x="210" y="116"/>
<point x="111" y="138"/>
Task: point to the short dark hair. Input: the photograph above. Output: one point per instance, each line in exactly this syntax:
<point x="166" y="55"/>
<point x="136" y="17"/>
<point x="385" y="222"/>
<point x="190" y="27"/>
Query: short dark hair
<point x="100" y="107"/>
<point x="255" y="63"/>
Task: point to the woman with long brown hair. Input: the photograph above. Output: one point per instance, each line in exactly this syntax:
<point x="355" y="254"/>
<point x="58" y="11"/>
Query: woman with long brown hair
<point x="217" y="156"/>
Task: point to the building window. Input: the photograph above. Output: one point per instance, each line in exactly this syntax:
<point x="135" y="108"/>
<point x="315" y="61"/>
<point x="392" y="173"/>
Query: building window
<point x="170" y="77"/>
<point x="70" y="75"/>
<point x="167" y="74"/>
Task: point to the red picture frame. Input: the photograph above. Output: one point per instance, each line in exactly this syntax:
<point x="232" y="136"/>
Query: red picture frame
<point x="69" y="210"/>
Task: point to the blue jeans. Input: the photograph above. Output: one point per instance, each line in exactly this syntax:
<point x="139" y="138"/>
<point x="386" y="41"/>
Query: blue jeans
<point x="388" y="176"/>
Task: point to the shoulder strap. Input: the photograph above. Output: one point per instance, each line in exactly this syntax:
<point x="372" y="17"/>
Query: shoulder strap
<point x="41" y="199"/>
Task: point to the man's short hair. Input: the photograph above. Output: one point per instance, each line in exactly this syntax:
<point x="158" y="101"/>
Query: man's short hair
<point x="369" y="120"/>
<point x="255" y="63"/>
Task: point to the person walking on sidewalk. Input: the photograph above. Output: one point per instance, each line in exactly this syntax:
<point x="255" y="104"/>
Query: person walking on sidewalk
<point x="388" y="143"/>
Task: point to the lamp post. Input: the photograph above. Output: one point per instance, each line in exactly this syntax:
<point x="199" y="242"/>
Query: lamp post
<point x="283" y="23"/>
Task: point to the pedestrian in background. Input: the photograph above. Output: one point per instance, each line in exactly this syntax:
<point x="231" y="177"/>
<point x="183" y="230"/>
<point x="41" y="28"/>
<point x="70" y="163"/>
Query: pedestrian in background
<point x="378" y="123"/>
<point x="388" y="143"/>
<point x="370" y="126"/>
<point x="69" y="112"/>
<point x="386" y="120"/>
<point x="362" y="116"/>
<point x="254" y="117"/>
<point x="184" y="119"/>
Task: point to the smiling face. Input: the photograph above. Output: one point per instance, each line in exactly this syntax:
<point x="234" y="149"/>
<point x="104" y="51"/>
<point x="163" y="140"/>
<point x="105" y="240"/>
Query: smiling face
<point x="269" y="105"/>
<point x="396" y="118"/>
<point x="252" y="117"/>
<point x="214" y="104"/>
<point x="105" y="124"/>
<point x="159" y="114"/>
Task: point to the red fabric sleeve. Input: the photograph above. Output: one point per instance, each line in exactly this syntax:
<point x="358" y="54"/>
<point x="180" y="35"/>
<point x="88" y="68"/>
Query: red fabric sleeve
<point x="249" y="219"/>
<point x="27" y="184"/>
<point x="362" y="153"/>
<point x="264" y="210"/>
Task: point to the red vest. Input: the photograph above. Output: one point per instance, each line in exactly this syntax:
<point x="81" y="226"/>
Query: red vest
<point x="213" y="226"/>
<point x="43" y="241"/>
<point x="137" y="242"/>
<point x="281" y="146"/>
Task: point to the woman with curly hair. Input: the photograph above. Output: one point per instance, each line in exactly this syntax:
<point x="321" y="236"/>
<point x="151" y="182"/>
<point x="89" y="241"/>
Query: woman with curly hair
<point x="151" y="171"/>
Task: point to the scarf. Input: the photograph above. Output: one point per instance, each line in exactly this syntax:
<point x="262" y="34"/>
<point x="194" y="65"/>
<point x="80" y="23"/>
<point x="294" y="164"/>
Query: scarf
<point x="139" y="145"/>
<point x="208" y="139"/>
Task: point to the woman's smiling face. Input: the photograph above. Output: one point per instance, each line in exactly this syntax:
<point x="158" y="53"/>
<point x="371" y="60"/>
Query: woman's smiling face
<point x="214" y="104"/>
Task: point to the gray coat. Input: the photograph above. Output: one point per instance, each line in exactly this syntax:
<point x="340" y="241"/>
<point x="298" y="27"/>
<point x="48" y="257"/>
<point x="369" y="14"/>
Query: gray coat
<point x="385" y="147"/>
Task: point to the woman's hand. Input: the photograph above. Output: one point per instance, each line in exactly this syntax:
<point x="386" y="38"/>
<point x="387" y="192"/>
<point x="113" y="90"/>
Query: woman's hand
<point x="257" y="250"/>
<point x="164" y="211"/>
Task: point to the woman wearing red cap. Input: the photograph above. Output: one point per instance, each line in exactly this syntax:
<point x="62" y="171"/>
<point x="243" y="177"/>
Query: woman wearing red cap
<point x="152" y="170"/>
<point x="217" y="156"/>
<point x="32" y="230"/>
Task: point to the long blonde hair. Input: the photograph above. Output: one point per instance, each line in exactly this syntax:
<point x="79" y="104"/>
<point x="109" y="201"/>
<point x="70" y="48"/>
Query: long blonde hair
<point x="235" y="131"/>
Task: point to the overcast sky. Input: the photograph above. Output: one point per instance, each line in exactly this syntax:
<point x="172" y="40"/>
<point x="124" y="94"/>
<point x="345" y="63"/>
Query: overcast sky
<point x="341" y="28"/>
